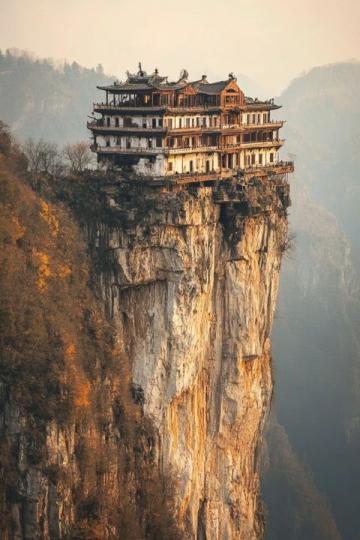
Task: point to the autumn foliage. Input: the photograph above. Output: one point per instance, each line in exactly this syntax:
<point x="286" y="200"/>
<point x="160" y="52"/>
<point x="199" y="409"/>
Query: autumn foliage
<point x="59" y="366"/>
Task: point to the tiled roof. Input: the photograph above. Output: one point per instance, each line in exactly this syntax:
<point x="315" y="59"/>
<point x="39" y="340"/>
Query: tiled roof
<point x="212" y="88"/>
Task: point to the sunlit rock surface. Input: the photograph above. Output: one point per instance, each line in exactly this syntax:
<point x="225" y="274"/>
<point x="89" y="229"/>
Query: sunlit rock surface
<point x="191" y="285"/>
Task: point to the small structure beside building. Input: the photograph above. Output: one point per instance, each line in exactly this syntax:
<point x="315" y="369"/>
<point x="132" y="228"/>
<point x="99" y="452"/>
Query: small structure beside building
<point x="156" y="128"/>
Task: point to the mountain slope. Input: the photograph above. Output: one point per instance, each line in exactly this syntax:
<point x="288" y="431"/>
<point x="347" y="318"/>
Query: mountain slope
<point x="40" y="101"/>
<point x="316" y="343"/>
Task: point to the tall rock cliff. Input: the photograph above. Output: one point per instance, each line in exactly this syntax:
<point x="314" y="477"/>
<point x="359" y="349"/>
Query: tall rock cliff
<point x="190" y="278"/>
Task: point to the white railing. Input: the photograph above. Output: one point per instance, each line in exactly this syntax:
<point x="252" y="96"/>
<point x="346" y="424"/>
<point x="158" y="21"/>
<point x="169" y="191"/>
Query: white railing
<point x="122" y="150"/>
<point x="191" y="149"/>
<point x="262" y="144"/>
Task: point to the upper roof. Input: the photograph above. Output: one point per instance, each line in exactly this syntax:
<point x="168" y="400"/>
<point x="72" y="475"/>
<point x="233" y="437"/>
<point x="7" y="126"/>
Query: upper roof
<point x="142" y="81"/>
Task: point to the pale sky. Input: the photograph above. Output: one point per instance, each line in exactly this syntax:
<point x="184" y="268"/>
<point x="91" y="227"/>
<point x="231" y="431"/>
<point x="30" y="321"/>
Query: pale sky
<point x="270" y="41"/>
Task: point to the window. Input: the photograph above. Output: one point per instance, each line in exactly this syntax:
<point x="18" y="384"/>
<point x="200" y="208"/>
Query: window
<point x="271" y="158"/>
<point x="193" y="122"/>
<point x="180" y="122"/>
<point x="204" y="121"/>
<point x="116" y="122"/>
<point x="252" y="159"/>
<point x="197" y="121"/>
<point x="170" y="123"/>
<point x="108" y="122"/>
<point x="260" y="159"/>
<point x="144" y="123"/>
<point x="158" y="142"/>
<point x="107" y="143"/>
<point x="160" y="122"/>
<point x="187" y="122"/>
<point x="154" y="122"/>
<point x="170" y="166"/>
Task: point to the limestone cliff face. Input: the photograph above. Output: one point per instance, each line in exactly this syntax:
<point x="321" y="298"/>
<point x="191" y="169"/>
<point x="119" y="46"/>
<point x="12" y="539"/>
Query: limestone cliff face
<point x="190" y="279"/>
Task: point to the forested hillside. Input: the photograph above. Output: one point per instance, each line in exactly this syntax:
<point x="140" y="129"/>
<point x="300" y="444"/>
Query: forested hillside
<point x="42" y="101"/>
<point x="71" y="433"/>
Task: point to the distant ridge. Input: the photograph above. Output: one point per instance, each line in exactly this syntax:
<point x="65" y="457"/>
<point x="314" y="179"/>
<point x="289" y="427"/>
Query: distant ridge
<point x="47" y="99"/>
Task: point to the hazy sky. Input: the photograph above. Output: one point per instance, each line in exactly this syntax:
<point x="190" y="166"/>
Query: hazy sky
<point x="270" y="41"/>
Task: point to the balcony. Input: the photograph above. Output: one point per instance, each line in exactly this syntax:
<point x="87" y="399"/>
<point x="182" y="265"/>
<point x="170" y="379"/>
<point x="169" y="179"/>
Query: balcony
<point x="129" y="151"/>
<point x="262" y="144"/>
<point x="190" y="149"/>
<point x="99" y="127"/>
<point x="128" y="108"/>
<point x="280" y="167"/>
<point x="273" y="124"/>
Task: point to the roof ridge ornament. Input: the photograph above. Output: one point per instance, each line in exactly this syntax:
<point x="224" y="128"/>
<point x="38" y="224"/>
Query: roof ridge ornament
<point x="140" y="72"/>
<point x="184" y="75"/>
<point x="232" y="76"/>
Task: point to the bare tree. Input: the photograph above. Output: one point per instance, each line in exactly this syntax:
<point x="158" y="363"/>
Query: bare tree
<point x="43" y="157"/>
<point x="79" y="156"/>
<point x="51" y="162"/>
<point x="5" y="138"/>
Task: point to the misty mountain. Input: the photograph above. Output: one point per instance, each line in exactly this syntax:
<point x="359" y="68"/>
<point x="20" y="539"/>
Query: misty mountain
<point x="322" y="110"/>
<point x="40" y="100"/>
<point x="295" y="509"/>
<point x="316" y="345"/>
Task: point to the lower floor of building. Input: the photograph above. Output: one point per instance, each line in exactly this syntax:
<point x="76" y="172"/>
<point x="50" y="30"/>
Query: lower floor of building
<point x="162" y="164"/>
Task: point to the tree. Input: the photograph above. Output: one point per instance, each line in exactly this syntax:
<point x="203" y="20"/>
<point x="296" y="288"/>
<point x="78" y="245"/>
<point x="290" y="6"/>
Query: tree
<point x="79" y="156"/>
<point x="5" y="139"/>
<point x="44" y="161"/>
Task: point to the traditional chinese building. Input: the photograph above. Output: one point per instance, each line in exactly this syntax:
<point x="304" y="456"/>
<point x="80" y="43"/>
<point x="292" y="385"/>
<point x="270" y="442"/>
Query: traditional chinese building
<point x="158" y="128"/>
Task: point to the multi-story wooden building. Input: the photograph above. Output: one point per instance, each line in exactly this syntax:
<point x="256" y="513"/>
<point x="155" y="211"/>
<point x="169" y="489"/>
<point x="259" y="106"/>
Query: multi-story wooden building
<point x="159" y="128"/>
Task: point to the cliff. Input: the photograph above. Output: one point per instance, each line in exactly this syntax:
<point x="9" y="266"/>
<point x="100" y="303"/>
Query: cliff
<point x="188" y="278"/>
